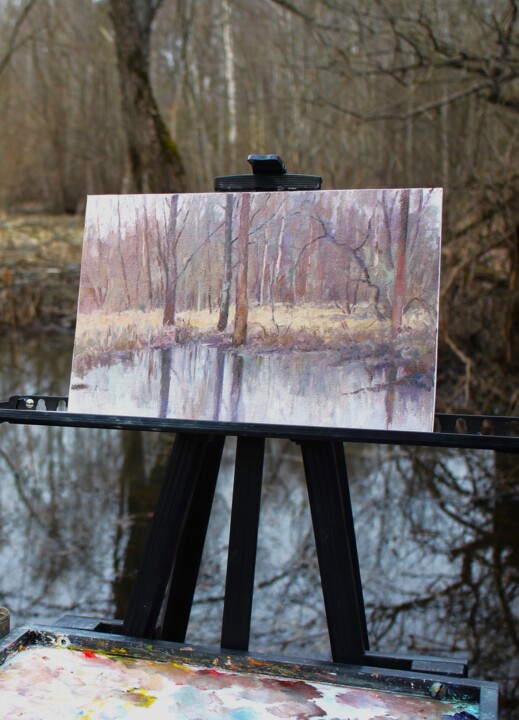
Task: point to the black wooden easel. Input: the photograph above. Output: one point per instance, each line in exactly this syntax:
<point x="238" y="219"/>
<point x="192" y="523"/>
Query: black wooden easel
<point x="169" y="570"/>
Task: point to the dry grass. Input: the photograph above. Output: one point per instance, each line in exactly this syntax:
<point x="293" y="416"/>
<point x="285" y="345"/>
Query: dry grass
<point x="305" y="328"/>
<point x="39" y="270"/>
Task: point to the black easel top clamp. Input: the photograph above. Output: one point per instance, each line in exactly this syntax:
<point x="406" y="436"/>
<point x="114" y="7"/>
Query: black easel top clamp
<point x="268" y="173"/>
<point x="163" y="594"/>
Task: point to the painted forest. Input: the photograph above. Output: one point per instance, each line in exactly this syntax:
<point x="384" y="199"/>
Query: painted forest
<point x="344" y="275"/>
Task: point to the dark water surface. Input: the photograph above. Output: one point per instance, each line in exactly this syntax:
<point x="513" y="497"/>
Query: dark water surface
<point x="437" y="531"/>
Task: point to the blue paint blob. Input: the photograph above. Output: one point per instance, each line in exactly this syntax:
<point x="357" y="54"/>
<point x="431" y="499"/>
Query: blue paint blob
<point x="243" y="714"/>
<point x="189" y="696"/>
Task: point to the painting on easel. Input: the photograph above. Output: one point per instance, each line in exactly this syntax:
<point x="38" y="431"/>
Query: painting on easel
<point x="292" y="308"/>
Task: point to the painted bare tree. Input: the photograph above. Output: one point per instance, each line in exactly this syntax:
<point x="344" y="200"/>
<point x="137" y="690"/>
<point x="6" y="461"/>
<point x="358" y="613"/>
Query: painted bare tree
<point x="240" y="322"/>
<point x="154" y="160"/>
<point x="169" y="262"/>
<point x="400" y="261"/>
<point x="227" y="261"/>
<point x="149" y="227"/>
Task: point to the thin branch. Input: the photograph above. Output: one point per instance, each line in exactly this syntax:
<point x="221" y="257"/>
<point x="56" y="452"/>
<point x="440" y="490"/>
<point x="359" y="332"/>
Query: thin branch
<point x="12" y="45"/>
<point x="436" y="104"/>
<point x="287" y="5"/>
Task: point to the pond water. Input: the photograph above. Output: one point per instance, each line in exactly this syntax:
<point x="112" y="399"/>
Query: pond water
<point x="437" y="534"/>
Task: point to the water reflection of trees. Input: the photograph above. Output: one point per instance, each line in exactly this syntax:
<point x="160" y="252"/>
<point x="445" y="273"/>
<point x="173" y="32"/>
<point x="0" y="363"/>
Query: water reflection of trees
<point x="439" y="543"/>
<point x="52" y="520"/>
<point x="437" y="533"/>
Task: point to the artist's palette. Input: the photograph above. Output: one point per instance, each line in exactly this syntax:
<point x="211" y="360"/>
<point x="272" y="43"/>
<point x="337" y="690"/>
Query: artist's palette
<point x="59" y="679"/>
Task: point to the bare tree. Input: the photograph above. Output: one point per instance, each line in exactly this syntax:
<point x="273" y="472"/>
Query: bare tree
<point x="155" y="163"/>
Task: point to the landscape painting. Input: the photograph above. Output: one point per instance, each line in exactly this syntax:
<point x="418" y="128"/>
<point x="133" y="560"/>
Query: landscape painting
<point x="293" y="308"/>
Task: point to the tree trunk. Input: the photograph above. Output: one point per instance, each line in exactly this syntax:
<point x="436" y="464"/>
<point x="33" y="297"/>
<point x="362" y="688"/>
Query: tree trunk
<point x="512" y="306"/>
<point x="240" y="322"/>
<point x="155" y="163"/>
<point x="230" y="80"/>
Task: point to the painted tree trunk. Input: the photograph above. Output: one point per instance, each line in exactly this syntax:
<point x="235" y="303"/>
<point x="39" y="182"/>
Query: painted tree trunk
<point x="171" y="265"/>
<point x="226" y="288"/>
<point x="240" y="322"/>
<point x="148" y="222"/>
<point x="125" y="285"/>
<point x="400" y="269"/>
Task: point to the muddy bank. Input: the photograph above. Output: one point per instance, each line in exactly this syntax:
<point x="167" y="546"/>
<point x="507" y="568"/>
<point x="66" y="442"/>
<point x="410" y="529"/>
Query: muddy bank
<point x="40" y="259"/>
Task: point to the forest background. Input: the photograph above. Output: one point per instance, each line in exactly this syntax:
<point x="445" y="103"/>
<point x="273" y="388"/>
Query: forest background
<point x="163" y="95"/>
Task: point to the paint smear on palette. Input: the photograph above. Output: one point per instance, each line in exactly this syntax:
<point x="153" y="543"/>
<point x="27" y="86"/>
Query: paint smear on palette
<point x="43" y="683"/>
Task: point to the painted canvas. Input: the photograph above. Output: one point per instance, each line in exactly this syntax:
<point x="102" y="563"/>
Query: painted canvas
<point x="293" y="308"/>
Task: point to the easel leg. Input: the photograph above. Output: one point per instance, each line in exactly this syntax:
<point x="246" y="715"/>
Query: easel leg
<point x="182" y="474"/>
<point x="189" y="555"/>
<point x="332" y="518"/>
<point x="243" y="540"/>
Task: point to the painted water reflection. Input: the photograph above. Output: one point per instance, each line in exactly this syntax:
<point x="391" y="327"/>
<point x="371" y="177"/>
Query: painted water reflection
<point x="437" y="534"/>
<point x="205" y="382"/>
